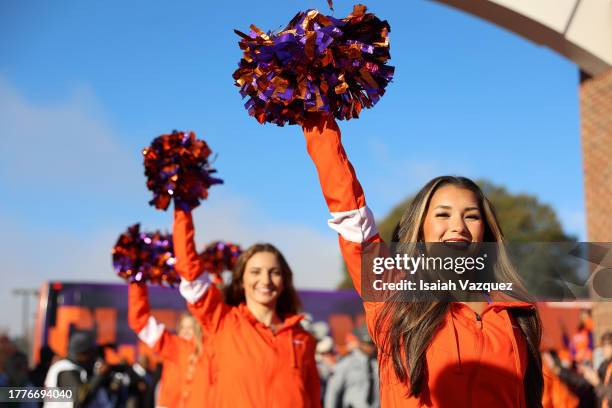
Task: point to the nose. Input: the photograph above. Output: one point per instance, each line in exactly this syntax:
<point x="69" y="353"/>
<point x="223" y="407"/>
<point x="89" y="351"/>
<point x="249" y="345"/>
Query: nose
<point x="265" y="278"/>
<point x="458" y="225"/>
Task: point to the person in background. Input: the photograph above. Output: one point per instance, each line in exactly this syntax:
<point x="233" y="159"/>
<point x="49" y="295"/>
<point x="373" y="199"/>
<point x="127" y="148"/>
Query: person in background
<point x="186" y="379"/>
<point x="601" y="380"/>
<point x="78" y="373"/>
<point x="563" y="388"/>
<point x="16" y="367"/>
<point x="7" y="349"/>
<point x="354" y="382"/>
<point x="326" y="361"/>
<point x="141" y="385"/>
<point x="581" y="343"/>
<point x="38" y="373"/>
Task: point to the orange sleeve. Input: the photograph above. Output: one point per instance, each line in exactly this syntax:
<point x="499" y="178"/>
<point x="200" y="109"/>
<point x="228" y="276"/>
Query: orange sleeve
<point x="204" y="299"/>
<point x="556" y="393"/>
<point x="138" y="306"/>
<point x="210" y="310"/>
<point x="345" y="199"/>
<point x="149" y="331"/>
<point x="169" y="345"/>
<point x="187" y="259"/>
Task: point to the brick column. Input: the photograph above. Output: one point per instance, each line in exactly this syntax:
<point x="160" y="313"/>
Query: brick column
<point x="596" y="132"/>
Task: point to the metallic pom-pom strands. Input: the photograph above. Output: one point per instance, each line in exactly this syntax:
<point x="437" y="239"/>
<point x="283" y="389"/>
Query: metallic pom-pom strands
<point x="145" y="257"/>
<point x="220" y="256"/>
<point x="177" y="167"/>
<point x="316" y="64"/>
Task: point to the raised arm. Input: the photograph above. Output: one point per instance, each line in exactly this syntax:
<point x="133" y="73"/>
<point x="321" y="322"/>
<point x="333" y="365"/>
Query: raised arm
<point x="148" y="329"/>
<point x="351" y="217"/>
<point x="188" y="263"/>
<point x="203" y="297"/>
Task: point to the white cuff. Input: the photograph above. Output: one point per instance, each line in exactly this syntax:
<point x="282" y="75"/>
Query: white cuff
<point x="152" y="332"/>
<point x="355" y="225"/>
<point x="193" y="290"/>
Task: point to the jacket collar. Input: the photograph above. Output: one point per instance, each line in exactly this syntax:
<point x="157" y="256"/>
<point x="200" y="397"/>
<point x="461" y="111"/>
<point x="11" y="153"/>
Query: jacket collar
<point x="288" y="321"/>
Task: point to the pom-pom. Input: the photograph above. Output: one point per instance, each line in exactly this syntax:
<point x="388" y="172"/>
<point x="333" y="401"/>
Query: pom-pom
<point x="220" y="256"/>
<point x="316" y="64"/>
<point x="145" y="257"/>
<point x="177" y="167"/>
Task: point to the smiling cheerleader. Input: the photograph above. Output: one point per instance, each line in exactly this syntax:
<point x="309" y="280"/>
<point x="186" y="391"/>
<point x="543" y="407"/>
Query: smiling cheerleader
<point x="263" y="356"/>
<point x="434" y="353"/>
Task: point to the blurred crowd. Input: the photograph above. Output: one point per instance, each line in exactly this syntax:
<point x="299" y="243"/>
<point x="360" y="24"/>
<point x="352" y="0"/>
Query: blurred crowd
<point x="95" y="382"/>
<point x="576" y="375"/>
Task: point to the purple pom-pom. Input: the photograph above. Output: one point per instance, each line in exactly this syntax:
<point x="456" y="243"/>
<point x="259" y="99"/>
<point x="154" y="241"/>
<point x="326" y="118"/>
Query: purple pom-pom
<point x="316" y="64"/>
<point x="177" y="167"/>
<point x="145" y="257"/>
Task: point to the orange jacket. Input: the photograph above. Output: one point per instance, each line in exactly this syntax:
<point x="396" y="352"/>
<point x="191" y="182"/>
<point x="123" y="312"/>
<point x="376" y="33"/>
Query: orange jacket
<point x="183" y="384"/>
<point x="472" y="361"/>
<point x="556" y="393"/>
<point x="255" y="367"/>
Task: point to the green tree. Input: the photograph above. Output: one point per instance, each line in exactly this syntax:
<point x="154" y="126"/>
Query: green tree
<point x="523" y="218"/>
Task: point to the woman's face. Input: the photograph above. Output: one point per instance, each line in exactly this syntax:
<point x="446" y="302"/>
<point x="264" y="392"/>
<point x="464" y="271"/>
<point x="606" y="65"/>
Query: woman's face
<point x="453" y="216"/>
<point x="187" y="328"/>
<point x="263" y="279"/>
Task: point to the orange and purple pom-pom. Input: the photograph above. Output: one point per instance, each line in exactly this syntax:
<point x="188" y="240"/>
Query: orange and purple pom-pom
<point x="219" y="256"/>
<point x="145" y="257"/>
<point x="177" y="168"/>
<point x="316" y="64"/>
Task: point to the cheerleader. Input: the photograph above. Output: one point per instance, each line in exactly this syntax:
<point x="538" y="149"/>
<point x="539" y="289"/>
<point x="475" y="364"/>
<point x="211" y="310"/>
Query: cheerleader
<point x="264" y="357"/>
<point x="434" y="354"/>
<point x="187" y="379"/>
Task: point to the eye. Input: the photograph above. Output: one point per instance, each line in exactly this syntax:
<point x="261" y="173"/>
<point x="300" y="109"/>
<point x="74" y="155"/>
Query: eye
<point x="276" y="272"/>
<point x="442" y="215"/>
<point x="473" y="217"/>
<point x="254" y="271"/>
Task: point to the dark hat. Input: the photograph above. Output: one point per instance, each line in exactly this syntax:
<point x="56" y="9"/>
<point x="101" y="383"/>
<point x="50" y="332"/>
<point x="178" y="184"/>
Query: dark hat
<point x="362" y="334"/>
<point x="81" y="342"/>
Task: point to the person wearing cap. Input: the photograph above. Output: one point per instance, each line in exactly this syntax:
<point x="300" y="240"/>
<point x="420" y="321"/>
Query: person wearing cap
<point x="354" y="382"/>
<point x="78" y="373"/>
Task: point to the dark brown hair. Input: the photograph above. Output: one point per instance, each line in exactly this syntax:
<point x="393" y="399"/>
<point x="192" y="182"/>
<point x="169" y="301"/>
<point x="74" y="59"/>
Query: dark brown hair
<point x="408" y="327"/>
<point x="288" y="302"/>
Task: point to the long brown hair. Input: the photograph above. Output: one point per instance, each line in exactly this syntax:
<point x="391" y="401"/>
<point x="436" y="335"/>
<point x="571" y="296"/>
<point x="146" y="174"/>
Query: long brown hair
<point x="412" y="325"/>
<point x="288" y="302"/>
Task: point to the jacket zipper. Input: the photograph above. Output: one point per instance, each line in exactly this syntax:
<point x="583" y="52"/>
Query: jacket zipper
<point x="480" y="346"/>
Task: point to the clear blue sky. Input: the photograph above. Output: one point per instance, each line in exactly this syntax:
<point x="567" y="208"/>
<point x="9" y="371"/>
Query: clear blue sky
<point x="85" y="85"/>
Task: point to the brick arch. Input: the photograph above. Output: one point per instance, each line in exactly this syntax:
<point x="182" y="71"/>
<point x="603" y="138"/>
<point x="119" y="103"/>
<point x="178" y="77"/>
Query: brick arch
<point x="580" y="30"/>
